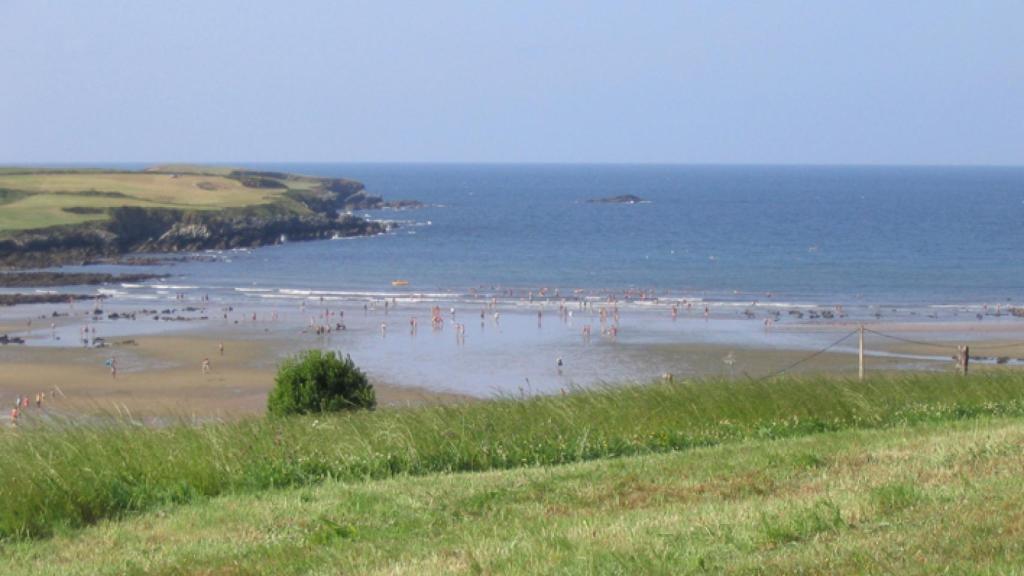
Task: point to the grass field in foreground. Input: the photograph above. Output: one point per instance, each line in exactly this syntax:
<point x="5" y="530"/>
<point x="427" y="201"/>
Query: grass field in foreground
<point x="56" y="478"/>
<point x="925" y="499"/>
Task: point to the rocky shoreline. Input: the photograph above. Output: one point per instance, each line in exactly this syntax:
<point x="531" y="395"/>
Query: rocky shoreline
<point x="18" y="299"/>
<point x="50" y="279"/>
<point x="308" y="214"/>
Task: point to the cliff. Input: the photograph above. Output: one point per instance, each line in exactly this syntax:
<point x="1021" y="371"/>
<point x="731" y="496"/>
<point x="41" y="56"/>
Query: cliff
<point x="284" y="207"/>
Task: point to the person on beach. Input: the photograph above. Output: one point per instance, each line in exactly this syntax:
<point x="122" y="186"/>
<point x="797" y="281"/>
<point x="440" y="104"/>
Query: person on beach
<point x="220" y="348"/>
<point x="206" y="366"/>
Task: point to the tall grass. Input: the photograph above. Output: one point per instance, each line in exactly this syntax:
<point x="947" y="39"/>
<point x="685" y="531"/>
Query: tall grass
<point x="63" y="476"/>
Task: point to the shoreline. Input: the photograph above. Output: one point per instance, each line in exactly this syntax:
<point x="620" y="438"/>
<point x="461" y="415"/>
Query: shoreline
<point x="160" y="376"/>
<point x="508" y="343"/>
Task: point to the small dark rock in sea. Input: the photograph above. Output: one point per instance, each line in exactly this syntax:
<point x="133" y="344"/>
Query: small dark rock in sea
<point x="623" y="199"/>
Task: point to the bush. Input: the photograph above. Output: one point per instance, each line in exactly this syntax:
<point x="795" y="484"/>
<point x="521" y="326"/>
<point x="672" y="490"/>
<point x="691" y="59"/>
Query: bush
<point x="318" y="381"/>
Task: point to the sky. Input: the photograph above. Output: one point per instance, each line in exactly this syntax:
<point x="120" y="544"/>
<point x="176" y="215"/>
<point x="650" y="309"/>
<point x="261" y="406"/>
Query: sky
<point x="813" y="82"/>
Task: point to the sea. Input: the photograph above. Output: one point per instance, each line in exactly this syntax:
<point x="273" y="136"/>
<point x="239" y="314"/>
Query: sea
<point x="791" y="245"/>
<point x="806" y="235"/>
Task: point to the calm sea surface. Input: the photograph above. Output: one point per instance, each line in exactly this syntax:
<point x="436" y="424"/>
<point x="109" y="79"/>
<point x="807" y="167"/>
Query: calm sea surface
<point x="819" y="235"/>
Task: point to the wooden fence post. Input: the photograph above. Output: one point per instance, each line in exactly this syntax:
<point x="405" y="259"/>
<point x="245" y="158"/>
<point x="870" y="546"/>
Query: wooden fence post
<point x="963" y="359"/>
<point x="860" y="356"/>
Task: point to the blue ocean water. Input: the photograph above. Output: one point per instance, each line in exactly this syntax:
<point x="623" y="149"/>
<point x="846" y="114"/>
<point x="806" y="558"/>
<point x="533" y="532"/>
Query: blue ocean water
<point x="822" y="235"/>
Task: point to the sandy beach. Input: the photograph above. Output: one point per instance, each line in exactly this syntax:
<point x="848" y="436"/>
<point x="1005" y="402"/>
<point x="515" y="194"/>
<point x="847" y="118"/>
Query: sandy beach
<point x="162" y="376"/>
<point x="512" y="348"/>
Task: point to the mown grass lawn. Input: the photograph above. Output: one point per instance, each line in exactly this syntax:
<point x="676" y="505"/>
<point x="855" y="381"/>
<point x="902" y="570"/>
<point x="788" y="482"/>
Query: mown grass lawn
<point x="936" y="497"/>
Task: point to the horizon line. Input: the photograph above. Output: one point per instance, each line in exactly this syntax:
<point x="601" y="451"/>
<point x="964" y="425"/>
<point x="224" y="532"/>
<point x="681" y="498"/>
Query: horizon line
<point x="242" y="163"/>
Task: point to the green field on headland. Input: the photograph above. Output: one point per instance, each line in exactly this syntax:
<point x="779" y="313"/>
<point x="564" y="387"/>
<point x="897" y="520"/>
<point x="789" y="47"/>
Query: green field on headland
<point x="812" y="474"/>
<point x="53" y="217"/>
<point x="42" y="198"/>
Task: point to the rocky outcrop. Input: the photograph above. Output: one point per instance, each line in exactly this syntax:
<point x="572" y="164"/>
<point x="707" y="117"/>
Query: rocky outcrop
<point x="623" y="199"/>
<point x="17" y="299"/>
<point x="403" y="205"/>
<point x="250" y="231"/>
<point x="47" y="279"/>
<point x="132" y="229"/>
<point x="311" y="208"/>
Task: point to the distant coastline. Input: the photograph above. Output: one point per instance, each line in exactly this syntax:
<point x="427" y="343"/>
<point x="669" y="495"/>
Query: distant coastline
<point x="55" y="217"/>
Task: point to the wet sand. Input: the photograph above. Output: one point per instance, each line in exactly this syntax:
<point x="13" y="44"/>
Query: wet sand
<point x="162" y="375"/>
<point x="160" y="362"/>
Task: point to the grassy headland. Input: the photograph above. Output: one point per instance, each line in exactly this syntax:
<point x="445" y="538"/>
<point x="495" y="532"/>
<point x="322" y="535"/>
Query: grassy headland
<point x="64" y="477"/>
<point x="57" y="216"/>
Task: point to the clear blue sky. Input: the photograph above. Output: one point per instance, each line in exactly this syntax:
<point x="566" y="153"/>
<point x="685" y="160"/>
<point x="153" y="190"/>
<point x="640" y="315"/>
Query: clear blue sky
<point x="905" y="82"/>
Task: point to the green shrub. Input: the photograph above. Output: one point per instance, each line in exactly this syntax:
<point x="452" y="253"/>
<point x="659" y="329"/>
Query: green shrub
<point x="318" y="381"/>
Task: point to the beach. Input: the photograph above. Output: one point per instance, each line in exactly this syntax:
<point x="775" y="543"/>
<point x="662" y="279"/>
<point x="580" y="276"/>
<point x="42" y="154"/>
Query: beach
<point x="418" y="351"/>
<point x="162" y="377"/>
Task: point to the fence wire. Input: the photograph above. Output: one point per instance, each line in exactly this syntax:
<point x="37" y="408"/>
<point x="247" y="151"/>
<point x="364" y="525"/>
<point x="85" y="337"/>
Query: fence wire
<point x="808" y="358"/>
<point x="946" y="347"/>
